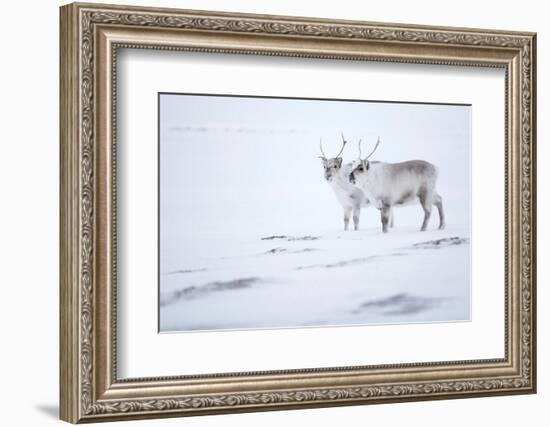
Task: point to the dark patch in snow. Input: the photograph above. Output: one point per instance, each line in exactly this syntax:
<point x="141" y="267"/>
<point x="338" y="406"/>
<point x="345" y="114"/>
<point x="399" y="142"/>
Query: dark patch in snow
<point x="339" y="263"/>
<point x="400" y="304"/>
<point x="348" y="262"/>
<point x="301" y="251"/>
<point x="276" y="251"/>
<point x="306" y="238"/>
<point x="291" y="238"/>
<point x="191" y="292"/>
<point x="198" y="270"/>
<point x="441" y="243"/>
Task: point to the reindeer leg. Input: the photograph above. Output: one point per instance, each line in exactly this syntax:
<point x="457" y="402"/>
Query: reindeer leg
<point x="347" y="213"/>
<point x="356" y="215"/>
<point x="391" y="218"/>
<point x="426" y="202"/>
<point x="385" y="214"/>
<point x="439" y="205"/>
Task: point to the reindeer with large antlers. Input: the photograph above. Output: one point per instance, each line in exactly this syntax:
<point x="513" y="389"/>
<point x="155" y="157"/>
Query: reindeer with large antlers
<point x="397" y="184"/>
<point x="348" y="195"/>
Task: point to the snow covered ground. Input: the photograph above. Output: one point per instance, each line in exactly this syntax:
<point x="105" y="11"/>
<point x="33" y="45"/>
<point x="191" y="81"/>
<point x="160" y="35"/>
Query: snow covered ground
<point x="331" y="278"/>
<point x="251" y="236"/>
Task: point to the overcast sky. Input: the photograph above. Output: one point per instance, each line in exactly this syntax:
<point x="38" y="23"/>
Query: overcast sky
<point x="305" y="115"/>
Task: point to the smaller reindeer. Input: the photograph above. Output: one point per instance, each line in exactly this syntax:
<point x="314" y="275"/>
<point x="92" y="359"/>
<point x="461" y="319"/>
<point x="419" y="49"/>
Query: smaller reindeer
<point x="397" y="184"/>
<point x="349" y="196"/>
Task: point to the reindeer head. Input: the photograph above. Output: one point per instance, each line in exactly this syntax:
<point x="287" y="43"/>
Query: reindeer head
<point x="333" y="165"/>
<point x="360" y="172"/>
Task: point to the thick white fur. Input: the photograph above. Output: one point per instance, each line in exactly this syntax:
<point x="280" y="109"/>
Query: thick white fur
<point x="399" y="184"/>
<point x="350" y="197"/>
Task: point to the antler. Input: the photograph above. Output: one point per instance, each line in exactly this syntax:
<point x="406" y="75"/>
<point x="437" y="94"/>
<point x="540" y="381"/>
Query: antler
<point x="321" y="148"/>
<point x="375" y="147"/>
<point x="344" y="142"/>
<point x="359" y="146"/>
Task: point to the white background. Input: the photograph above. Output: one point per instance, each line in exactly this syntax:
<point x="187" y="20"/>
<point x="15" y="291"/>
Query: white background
<point x="29" y="218"/>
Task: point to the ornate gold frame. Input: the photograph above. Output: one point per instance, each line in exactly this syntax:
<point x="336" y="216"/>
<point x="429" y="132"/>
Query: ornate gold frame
<point x="90" y="36"/>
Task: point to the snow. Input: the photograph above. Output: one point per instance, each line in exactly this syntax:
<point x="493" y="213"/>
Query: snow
<point x="251" y="236"/>
<point x="325" y="279"/>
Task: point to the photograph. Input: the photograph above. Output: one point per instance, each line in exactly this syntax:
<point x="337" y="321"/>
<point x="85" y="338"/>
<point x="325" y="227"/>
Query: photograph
<point x="299" y="212"/>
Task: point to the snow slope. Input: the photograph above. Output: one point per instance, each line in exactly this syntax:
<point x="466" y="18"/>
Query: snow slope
<point x="336" y="278"/>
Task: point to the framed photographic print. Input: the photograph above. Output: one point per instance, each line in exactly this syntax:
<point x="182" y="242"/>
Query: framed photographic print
<point x="266" y="212"/>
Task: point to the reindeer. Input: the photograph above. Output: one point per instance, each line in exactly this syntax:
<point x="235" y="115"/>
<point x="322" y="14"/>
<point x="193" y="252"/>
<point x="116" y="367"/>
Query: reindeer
<point x="349" y="196"/>
<point x="397" y="184"/>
